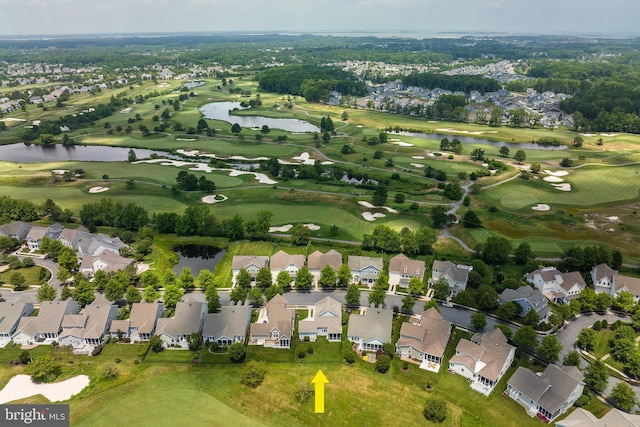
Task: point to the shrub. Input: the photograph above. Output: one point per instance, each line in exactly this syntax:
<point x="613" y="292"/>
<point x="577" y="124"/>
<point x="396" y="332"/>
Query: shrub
<point x="253" y="374"/>
<point x="110" y="372"/>
<point x="584" y="399"/>
<point x="306" y="338"/>
<point x="435" y="410"/>
<point x="24" y="357"/>
<point x="383" y="363"/>
<point x="301" y="354"/>
<point x="597" y="326"/>
<point x="303" y="392"/>
<point x="97" y="350"/>
<point x="310" y="350"/>
<point x="43" y="369"/>
<point x="118" y="360"/>
<point x="237" y="352"/>
<point x="349" y="355"/>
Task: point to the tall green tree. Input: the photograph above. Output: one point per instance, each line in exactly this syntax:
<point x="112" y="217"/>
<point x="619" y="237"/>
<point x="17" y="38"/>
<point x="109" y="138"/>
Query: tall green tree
<point x="550" y="348"/>
<point x="353" y="295"/>
<point x="596" y="376"/>
<point x="264" y="279"/>
<point x="328" y="277"/>
<point x="46" y="292"/>
<point x="304" y="279"/>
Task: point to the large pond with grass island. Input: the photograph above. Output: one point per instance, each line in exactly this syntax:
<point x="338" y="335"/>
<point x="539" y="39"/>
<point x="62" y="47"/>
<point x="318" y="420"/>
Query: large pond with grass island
<point x="222" y="111"/>
<point x="34" y="153"/>
<point x="474" y="140"/>
<point x="197" y="257"/>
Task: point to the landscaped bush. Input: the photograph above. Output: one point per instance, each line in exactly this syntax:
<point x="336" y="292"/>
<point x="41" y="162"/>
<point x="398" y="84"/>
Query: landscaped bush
<point x="349" y="355"/>
<point x="253" y="374"/>
<point x="435" y="410"/>
<point x="303" y="392"/>
<point x="97" y="350"/>
<point x="301" y="354"/>
<point x="584" y="399"/>
<point x="383" y="363"/>
<point x="237" y="352"/>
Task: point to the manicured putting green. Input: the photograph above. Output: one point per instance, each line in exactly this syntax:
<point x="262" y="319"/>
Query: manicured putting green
<point x="518" y="200"/>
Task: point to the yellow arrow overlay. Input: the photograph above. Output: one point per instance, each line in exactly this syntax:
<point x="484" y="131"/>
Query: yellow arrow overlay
<point x="319" y="381"/>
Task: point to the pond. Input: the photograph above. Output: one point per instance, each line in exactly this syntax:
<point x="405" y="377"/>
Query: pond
<point x="197" y="257"/>
<point x="472" y="140"/>
<point x="220" y="111"/>
<point x="33" y="153"/>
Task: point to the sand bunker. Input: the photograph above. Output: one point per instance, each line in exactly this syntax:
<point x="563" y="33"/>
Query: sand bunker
<point x="417" y="165"/>
<point x="185" y="139"/>
<point x="60" y="171"/>
<point x="304" y="158"/>
<point x="368" y="216"/>
<point x="214" y="198"/>
<point x="98" y="189"/>
<point x="556" y="173"/>
<point x="11" y="119"/>
<point x="370" y="206"/>
<point x="609" y="134"/>
<point x="204" y="167"/>
<point x="562" y="187"/>
<point x="552" y="179"/>
<point x="613" y="218"/>
<point x="417" y="157"/>
<point x="283" y="228"/>
<point x="431" y="155"/>
<point x="402" y="144"/>
<point x="125" y="111"/>
<point x="21" y="386"/>
<point x="312" y="227"/>
<point x="541" y="207"/>
<point x="588" y="134"/>
<point x="359" y="126"/>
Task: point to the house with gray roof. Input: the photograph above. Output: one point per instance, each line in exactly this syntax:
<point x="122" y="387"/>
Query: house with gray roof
<point x="275" y="325"/>
<point x="47" y="325"/>
<point x="556" y="286"/>
<point x="141" y="324"/>
<point x="371" y="329"/>
<point x="456" y="275"/>
<point x="326" y="321"/>
<point x="546" y="394"/>
<point x="402" y="270"/>
<point x="364" y="269"/>
<point x="424" y="337"/>
<point x="87" y="329"/>
<point x="107" y="260"/>
<point x="282" y="261"/>
<point x="187" y="319"/>
<point x="529" y="299"/>
<point x="229" y="326"/>
<point x="615" y="417"/>
<point x="251" y="263"/>
<point x="483" y="360"/>
<point x="10" y="315"/>
<point x="317" y="261"/>
<point x="610" y="281"/>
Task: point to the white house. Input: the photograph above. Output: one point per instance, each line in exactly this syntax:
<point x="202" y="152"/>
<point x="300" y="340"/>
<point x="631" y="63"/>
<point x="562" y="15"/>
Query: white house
<point x="47" y="325"/>
<point x="456" y="275"/>
<point x="424" y="337"/>
<point x="371" y="329"/>
<point x="282" y="261"/>
<point x="251" y="263"/>
<point x="483" y="360"/>
<point x="556" y="286"/>
<point x="546" y="394"/>
<point x="229" y="326"/>
<point x="364" y="269"/>
<point x="610" y="281"/>
<point x="403" y="269"/>
<point x="275" y="325"/>
<point x="326" y="321"/>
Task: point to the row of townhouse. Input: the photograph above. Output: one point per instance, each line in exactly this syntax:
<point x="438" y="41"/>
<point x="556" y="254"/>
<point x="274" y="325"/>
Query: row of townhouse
<point x="364" y="270"/>
<point x="95" y="251"/>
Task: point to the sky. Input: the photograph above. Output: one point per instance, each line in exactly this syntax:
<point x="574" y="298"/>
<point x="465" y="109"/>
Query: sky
<point x="33" y="17"/>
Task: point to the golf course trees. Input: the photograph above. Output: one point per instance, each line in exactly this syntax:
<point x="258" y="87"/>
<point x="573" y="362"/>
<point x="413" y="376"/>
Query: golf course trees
<point x="380" y="195"/>
<point x="495" y="251"/>
<point x="520" y="156"/>
<point x="300" y="235"/>
<point x="236" y="128"/>
<point x="43" y="369"/>
<point x="471" y="220"/>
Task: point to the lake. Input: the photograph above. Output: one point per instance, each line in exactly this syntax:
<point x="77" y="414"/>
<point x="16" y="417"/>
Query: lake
<point x="197" y="257"/>
<point x="220" y="111"/>
<point x="472" y="140"/>
<point x="33" y="153"/>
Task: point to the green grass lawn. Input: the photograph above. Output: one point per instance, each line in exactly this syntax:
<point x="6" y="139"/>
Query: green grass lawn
<point x="31" y="274"/>
<point x="602" y="343"/>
